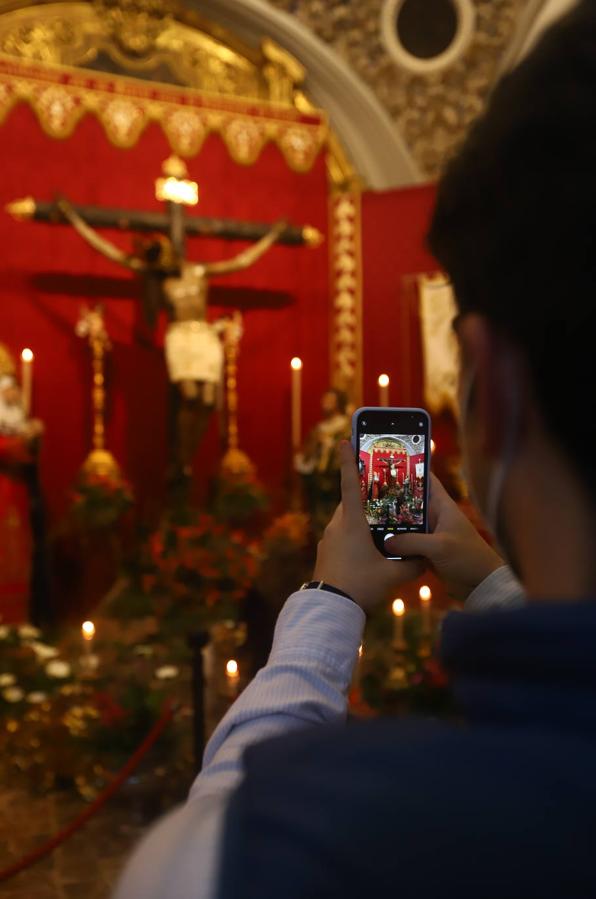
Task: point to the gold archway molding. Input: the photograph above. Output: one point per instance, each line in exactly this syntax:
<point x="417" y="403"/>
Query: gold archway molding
<point x="163" y="68"/>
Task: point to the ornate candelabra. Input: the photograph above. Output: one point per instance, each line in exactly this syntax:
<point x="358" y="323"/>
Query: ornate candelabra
<point x="91" y="325"/>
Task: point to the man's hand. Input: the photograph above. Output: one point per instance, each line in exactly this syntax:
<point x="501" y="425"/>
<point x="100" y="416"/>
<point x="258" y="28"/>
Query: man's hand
<point x="456" y="551"/>
<point x="347" y="557"/>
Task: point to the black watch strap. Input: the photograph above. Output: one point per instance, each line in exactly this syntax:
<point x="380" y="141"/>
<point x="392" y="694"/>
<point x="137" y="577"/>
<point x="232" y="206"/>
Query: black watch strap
<point x="322" y="585"/>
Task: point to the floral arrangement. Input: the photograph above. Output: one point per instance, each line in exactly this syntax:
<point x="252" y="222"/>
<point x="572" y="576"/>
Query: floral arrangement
<point x="408" y="681"/>
<point x="239" y="499"/>
<point x="70" y="718"/>
<point x="287" y="533"/>
<point x="188" y="577"/>
<point x="100" y="499"/>
<point x="30" y="670"/>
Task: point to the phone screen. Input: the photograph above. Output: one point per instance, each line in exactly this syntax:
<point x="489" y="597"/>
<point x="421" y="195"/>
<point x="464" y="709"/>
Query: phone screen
<point x="393" y="449"/>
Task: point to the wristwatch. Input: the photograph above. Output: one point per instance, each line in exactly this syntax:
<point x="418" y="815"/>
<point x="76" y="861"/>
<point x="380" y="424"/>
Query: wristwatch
<point x="322" y="585"/>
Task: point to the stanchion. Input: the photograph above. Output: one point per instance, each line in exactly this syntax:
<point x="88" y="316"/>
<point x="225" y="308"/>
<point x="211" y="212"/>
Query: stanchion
<point x="197" y="642"/>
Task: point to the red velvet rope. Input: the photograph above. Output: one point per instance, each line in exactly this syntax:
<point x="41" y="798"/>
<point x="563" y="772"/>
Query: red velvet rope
<point x="32" y="857"/>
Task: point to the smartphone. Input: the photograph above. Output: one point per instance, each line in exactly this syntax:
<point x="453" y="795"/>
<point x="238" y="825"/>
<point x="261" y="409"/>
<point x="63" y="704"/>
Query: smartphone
<point x="392" y="448"/>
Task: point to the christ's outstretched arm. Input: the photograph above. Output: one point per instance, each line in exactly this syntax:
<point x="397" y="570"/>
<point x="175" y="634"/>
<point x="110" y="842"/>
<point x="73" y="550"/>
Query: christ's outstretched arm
<point x="247" y="257"/>
<point x="99" y="243"/>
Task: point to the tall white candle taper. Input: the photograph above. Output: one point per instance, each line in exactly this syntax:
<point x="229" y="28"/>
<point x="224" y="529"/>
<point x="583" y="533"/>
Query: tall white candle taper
<point x="383" y="382"/>
<point x="425" y="595"/>
<point x="232" y="678"/>
<point x="296" y="366"/>
<point x="399" y="609"/>
<point x="27" y="380"/>
<point x="88" y="633"/>
<point x="88" y="659"/>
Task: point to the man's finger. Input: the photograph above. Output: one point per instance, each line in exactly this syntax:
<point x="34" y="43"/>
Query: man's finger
<point x="438" y="498"/>
<point x="350" y="484"/>
<point x="425" y="545"/>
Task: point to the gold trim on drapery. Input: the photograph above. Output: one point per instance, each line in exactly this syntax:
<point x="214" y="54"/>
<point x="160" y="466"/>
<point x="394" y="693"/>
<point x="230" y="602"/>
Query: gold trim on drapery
<point x="346" y="288"/>
<point x="61" y="97"/>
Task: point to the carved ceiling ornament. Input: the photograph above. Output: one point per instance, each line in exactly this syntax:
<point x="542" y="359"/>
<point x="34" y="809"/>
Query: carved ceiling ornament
<point x="432" y="108"/>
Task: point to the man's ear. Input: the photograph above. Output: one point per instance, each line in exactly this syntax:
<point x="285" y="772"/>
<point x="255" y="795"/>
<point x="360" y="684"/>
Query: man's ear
<point x="497" y="379"/>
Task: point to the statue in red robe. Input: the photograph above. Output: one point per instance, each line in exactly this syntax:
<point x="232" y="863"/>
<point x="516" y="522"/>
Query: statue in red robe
<point x="19" y="438"/>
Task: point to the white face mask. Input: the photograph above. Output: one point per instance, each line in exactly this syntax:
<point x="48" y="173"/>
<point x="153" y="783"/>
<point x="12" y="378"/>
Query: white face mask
<point x="496" y="481"/>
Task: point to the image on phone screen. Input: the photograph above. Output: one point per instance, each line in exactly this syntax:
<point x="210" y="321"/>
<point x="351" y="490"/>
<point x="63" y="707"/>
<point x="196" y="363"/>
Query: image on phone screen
<point x="392" y="452"/>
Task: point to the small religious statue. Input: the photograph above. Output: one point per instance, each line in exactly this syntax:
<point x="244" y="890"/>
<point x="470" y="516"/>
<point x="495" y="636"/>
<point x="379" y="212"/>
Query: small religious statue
<point x="193" y="348"/>
<point x="20" y="505"/>
<point x="318" y="461"/>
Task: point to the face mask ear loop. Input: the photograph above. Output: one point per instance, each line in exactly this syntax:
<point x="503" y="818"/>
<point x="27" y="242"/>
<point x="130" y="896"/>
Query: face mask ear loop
<point x="499" y="473"/>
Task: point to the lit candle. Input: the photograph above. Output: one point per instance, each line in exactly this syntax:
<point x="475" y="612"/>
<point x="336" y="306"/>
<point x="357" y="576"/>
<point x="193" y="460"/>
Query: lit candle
<point x="233" y="677"/>
<point x="88" y="661"/>
<point x="433" y="446"/>
<point x="296" y="366"/>
<point x="357" y="669"/>
<point x="88" y="633"/>
<point x="27" y="380"/>
<point x="383" y="382"/>
<point x="425" y="597"/>
<point x="399" y="609"/>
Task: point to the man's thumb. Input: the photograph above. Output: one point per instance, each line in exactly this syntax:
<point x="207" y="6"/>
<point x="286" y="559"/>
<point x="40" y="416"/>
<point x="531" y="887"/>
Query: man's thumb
<point x="424" y="545"/>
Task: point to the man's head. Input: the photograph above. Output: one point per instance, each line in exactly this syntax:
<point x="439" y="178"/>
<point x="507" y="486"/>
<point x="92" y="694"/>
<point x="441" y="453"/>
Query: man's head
<point x="515" y="228"/>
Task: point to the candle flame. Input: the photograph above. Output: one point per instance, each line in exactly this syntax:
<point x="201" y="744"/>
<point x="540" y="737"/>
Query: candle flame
<point x="425" y="593"/>
<point x="398" y="607"/>
<point x="433" y="446"/>
<point x="383" y="381"/>
<point x="88" y="630"/>
<point x="296" y="363"/>
<point x="360" y="650"/>
<point x="232" y="668"/>
<point x="27" y="355"/>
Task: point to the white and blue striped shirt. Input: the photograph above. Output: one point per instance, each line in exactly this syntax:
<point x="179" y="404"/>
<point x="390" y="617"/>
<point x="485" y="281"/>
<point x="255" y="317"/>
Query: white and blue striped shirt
<point x="304" y="683"/>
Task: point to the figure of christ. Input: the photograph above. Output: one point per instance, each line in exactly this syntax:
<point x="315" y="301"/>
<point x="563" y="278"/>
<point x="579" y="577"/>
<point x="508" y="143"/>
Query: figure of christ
<point x="193" y="348"/>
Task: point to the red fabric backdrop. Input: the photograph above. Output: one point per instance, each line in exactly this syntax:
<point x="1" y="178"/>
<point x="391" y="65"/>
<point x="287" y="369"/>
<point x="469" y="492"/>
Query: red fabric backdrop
<point x="47" y="273"/>
<point x="394" y="227"/>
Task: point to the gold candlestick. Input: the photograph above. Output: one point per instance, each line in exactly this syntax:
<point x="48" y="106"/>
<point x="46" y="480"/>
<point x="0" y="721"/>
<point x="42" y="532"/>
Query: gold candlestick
<point x="234" y="462"/>
<point x="91" y="325"/>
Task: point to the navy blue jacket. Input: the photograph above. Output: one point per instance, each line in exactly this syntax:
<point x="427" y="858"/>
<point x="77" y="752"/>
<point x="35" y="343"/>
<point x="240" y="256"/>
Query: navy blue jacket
<point x="503" y="805"/>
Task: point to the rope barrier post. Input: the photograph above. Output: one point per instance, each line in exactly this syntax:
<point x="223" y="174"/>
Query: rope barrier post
<point x="196" y="643"/>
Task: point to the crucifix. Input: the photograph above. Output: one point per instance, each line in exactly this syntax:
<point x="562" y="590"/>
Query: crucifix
<point x="193" y="348"/>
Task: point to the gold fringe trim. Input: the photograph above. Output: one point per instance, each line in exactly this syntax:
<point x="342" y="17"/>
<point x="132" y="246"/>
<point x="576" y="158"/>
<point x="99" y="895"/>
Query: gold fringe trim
<point x="61" y="97"/>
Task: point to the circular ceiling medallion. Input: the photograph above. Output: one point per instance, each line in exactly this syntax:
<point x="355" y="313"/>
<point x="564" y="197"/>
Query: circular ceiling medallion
<point x="426" y="36"/>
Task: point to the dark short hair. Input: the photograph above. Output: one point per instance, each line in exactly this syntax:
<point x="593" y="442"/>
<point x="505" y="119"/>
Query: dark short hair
<point x="515" y="221"/>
